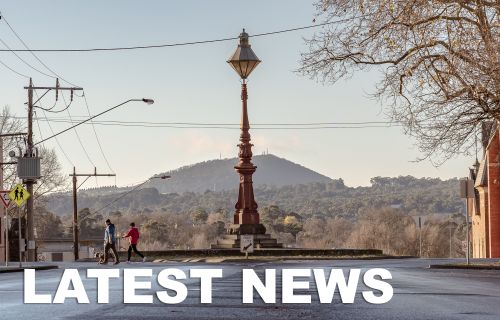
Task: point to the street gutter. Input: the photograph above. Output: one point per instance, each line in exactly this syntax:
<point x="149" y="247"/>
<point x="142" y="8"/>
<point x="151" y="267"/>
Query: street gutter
<point x="466" y="267"/>
<point x="17" y="269"/>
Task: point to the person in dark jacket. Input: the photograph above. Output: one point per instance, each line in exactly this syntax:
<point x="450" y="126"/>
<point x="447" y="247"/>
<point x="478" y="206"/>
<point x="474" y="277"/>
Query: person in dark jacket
<point x="133" y="235"/>
<point x="109" y="242"/>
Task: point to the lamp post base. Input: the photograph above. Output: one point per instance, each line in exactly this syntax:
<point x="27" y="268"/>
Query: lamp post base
<point x="231" y="240"/>
<point x="246" y="229"/>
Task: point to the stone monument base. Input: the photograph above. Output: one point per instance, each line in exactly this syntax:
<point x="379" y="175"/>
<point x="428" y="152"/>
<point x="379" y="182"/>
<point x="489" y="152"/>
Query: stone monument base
<point x="231" y="240"/>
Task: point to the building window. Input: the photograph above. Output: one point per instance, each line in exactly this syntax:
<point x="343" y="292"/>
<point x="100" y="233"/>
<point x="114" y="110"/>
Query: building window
<point x="477" y="203"/>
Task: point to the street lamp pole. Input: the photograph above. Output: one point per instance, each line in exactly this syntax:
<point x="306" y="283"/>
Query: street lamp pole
<point x="246" y="216"/>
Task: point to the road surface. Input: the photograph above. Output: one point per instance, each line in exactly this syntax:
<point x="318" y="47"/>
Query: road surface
<point x="419" y="293"/>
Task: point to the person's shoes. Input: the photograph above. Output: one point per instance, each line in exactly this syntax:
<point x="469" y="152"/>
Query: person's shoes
<point x="144" y="259"/>
<point x="103" y="262"/>
<point x="116" y="262"/>
<point x="128" y="262"/>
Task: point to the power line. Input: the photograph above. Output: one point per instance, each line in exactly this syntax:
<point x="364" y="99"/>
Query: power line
<point x="38" y="125"/>
<point x="32" y="53"/>
<point x="22" y="60"/>
<point x="186" y="43"/>
<point x="95" y="133"/>
<point x="50" y="109"/>
<point x="16" y="72"/>
<point x="76" y="132"/>
<point x="122" y="196"/>
<point x="275" y="126"/>
<point x="235" y="126"/>
<point x="62" y="119"/>
<point x="51" y="130"/>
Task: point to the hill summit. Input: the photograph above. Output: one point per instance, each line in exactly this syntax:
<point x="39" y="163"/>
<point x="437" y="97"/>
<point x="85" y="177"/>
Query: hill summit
<point x="219" y="175"/>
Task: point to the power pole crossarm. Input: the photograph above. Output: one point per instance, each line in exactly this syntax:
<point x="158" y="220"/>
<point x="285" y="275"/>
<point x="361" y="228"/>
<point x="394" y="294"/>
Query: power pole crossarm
<point x="54" y="88"/>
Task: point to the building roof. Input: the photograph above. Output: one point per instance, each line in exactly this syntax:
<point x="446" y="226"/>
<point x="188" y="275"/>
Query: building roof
<point x="492" y="133"/>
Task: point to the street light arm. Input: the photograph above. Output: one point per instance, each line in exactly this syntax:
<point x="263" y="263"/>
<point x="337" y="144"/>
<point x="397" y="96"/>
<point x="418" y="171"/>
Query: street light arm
<point x="130" y="191"/>
<point x="93" y="117"/>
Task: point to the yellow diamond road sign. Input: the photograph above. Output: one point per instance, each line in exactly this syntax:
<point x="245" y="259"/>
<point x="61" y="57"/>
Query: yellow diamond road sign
<point x="19" y="195"/>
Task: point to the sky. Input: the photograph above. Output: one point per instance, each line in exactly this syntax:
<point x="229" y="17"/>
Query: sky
<point x="195" y="84"/>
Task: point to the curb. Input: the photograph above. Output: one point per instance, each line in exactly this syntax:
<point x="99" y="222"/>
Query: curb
<point x="17" y="269"/>
<point x="260" y="259"/>
<point x="463" y="267"/>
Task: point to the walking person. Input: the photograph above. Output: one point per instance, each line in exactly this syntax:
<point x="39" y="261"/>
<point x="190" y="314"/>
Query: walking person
<point x="133" y="235"/>
<point x="109" y="242"/>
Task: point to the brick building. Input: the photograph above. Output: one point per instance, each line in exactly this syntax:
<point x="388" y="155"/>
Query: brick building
<point x="484" y="209"/>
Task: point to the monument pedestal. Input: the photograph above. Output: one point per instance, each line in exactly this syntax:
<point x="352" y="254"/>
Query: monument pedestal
<point x="232" y="241"/>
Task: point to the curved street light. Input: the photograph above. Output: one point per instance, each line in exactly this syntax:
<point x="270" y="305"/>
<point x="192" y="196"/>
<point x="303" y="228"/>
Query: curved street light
<point x="145" y="100"/>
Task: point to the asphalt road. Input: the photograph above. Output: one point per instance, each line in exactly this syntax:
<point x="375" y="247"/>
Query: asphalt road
<point x="419" y="293"/>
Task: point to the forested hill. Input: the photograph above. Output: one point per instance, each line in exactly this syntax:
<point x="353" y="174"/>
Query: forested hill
<point x="412" y="195"/>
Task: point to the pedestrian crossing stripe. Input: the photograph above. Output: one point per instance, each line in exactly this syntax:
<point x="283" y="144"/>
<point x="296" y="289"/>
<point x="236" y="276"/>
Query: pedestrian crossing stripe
<point x="19" y="195"/>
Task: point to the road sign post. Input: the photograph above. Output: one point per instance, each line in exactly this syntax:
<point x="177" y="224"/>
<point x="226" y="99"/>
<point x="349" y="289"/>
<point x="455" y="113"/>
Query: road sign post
<point x="4" y="197"/>
<point x="20" y="236"/>
<point x="19" y="195"/>
<point x="7" y="248"/>
<point x="246" y="244"/>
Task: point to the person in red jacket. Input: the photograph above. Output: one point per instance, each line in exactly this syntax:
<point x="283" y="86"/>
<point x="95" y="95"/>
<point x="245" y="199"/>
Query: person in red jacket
<point x="133" y="235"/>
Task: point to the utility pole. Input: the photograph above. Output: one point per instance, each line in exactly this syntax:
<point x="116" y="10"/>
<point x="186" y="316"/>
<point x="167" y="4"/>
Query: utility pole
<point x="29" y="183"/>
<point x="467" y="192"/>
<point x="449" y="223"/>
<point x="76" y="240"/>
<point x="30" y="153"/>
<point x="467" y="240"/>
<point x="420" y="235"/>
<point x="4" y="210"/>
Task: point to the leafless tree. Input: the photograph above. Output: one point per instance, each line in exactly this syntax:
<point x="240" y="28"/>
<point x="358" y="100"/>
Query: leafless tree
<point x="440" y="61"/>
<point x="52" y="178"/>
<point x="9" y="124"/>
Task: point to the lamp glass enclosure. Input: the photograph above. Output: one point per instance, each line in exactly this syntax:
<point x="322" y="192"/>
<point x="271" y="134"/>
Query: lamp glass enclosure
<point x="244" y="60"/>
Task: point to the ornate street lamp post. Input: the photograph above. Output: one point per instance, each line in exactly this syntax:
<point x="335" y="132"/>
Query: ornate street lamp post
<point x="246" y="216"/>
